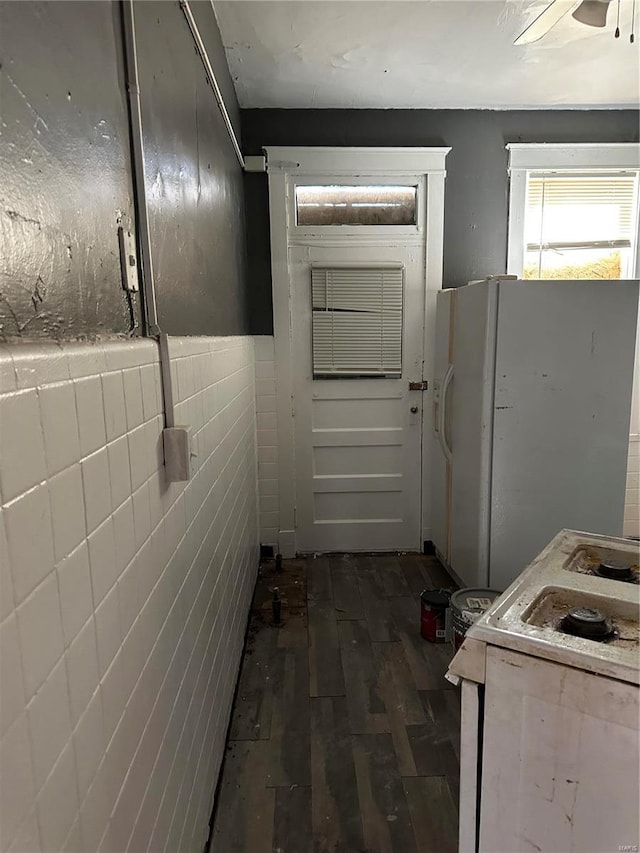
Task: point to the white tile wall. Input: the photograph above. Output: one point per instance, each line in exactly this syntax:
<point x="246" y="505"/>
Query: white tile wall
<point x="267" y="441"/>
<point x="632" y="502"/>
<point x="124" y="599"/>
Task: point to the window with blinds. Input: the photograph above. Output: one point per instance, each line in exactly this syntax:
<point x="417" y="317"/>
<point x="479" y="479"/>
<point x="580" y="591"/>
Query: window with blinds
<point x="357" y="321"/>
<point x="580" y="225"/>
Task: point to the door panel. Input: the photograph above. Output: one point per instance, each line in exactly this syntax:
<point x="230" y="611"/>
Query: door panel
<point x="357" y="444"/>
<point x="338" y="413"/>
<point x="354" y="459"/>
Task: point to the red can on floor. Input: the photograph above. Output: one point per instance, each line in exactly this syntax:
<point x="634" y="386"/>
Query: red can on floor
<point x="433" y="608"/>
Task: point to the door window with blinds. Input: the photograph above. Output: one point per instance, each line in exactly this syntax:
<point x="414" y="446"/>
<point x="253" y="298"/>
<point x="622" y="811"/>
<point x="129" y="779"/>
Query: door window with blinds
<point x="580" y="225"/>
<point x="357" y="314"/>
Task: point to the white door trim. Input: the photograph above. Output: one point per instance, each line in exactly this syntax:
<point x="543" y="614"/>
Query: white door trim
<point x="354" y="161"/>
<point x="283" y="162"/>
<point x="434" y="253"/>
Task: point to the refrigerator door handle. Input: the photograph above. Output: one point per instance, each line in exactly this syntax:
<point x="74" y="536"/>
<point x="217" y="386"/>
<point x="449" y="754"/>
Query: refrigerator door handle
<point x="446" y="382"/>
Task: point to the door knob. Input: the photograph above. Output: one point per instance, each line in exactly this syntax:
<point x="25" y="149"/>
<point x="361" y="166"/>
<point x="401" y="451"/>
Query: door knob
<point x="414" y="410"/>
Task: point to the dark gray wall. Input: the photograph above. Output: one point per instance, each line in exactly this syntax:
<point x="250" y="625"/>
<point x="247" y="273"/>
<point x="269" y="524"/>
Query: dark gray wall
<point x="194" y="182"/>
<point x="66" y="180"/>
<point x="475" y="233"/>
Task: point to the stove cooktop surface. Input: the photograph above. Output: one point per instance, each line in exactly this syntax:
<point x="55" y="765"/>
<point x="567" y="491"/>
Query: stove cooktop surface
<point x="577" y="603"/>
<point x="576" y="613"/>
<point x="612" y="563"/>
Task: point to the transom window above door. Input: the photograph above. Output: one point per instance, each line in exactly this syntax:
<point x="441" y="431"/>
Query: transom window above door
<point x="574" y="211"/>
<point x="346" y="204"/>
<point x="359" y="198"/>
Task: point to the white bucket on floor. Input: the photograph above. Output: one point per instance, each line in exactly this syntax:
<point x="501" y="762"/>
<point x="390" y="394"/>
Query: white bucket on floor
<point x="467" y="606"/>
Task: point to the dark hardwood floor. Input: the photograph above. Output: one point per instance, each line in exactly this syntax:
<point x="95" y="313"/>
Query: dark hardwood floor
<point x="344" y="735"/>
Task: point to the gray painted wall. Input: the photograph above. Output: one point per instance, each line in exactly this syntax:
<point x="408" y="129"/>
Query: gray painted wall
<point x="194" y="182"/>
<point x="66" y="180"/>
<point x="475" y="238"/>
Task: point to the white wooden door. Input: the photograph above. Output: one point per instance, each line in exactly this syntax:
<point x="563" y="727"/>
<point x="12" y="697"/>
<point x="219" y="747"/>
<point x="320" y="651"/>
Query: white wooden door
<point x="358" y="457"/>
<point x="353" y="459"/>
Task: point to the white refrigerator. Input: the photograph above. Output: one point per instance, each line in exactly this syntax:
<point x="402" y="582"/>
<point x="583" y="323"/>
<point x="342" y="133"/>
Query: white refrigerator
<point x="531" y="413"/>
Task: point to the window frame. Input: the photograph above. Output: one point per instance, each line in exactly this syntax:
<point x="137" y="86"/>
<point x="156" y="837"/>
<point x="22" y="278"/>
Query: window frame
<point x="527" y="157"/>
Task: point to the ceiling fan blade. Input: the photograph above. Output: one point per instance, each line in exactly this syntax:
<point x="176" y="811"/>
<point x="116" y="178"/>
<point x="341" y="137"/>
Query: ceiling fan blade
<point x="547" y="19"/>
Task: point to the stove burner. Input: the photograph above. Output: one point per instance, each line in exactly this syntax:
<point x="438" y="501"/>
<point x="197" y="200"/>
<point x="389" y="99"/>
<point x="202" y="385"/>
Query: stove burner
<point x="615" y="571"/>
<point x="587" y="622"/>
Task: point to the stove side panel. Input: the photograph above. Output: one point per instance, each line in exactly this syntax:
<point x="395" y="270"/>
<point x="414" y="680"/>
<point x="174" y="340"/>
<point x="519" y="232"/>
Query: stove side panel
<point x="556" y="740"/>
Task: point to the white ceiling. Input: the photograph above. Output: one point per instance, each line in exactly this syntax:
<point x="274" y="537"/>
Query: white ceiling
<point x="423" y="54"/>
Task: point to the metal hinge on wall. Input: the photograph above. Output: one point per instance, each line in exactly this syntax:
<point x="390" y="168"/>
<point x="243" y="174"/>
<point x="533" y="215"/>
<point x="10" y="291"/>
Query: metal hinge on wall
<point x="128" y="260"/>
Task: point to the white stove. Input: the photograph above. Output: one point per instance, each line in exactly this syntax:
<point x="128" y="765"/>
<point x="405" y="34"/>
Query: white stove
<point x="550" y="705"/>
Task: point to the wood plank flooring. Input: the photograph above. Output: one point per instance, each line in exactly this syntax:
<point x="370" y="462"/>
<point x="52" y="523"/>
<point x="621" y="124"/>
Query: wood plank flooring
<point x="344" y="735"/>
